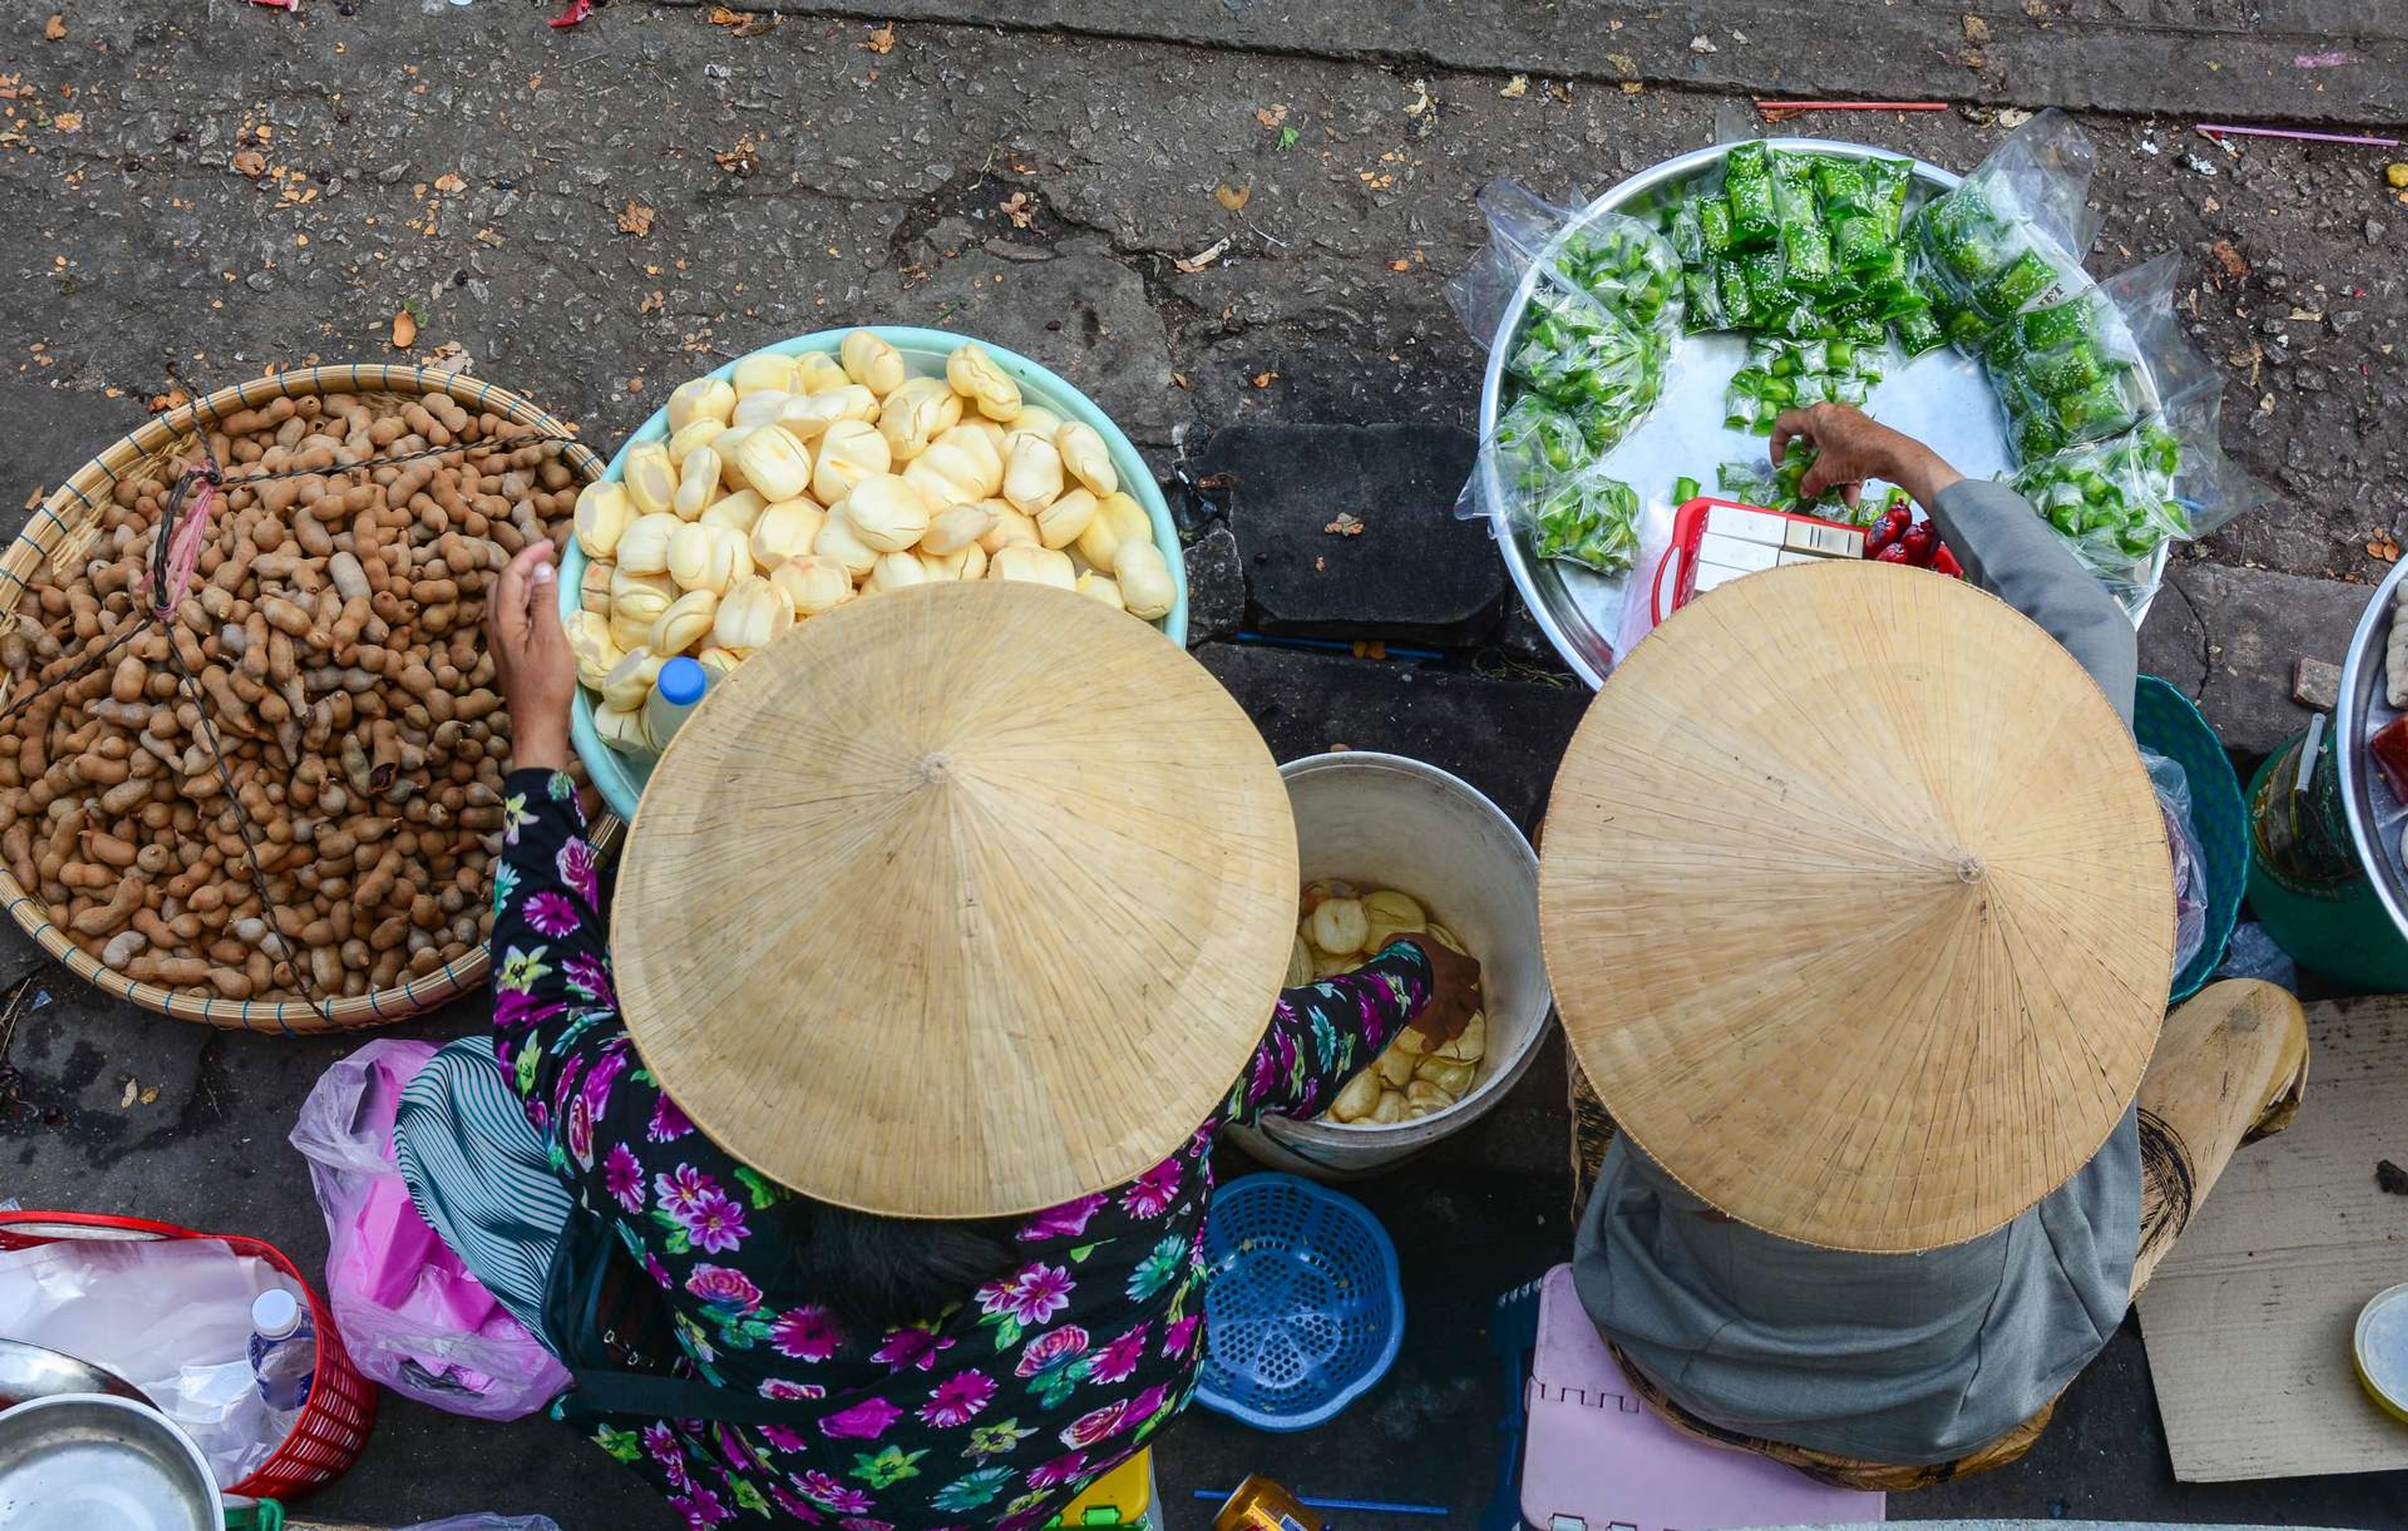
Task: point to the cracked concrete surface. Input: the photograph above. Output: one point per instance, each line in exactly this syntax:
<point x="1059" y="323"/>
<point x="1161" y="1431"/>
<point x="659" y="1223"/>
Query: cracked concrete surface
<point x="198" y="191"/>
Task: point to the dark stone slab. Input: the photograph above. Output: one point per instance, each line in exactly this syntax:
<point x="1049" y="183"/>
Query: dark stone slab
<point x="1413" y="572"/>
<point x="2231" y="638"/>
<point x="1216" y="586"/>
<point x="2232" y="64"/>
<point x="1505" y="738"/>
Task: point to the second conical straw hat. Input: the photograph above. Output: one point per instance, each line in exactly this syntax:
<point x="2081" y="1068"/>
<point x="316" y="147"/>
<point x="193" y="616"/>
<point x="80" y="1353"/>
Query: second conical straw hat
<point x="1858" y="906"/>
<point x="963" y="900"/>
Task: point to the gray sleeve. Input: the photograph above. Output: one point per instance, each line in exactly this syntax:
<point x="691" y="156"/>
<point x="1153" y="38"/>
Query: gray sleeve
<point x="2010" y="551"/>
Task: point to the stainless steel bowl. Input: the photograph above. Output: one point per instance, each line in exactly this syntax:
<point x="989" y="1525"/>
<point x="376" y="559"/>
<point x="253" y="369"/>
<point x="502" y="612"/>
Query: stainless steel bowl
<point x="2376" y="818"/>
<point x="28" y="1371"/>
<point x="80" y="1462"/>
<point x="1948" y="404"/>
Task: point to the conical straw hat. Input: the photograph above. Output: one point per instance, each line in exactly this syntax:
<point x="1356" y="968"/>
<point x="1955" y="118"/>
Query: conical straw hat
<point x="964" y="900"/>
<point x="1858" y="906"/>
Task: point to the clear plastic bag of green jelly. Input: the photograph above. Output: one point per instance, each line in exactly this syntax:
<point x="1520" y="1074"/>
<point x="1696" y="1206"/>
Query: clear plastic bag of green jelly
<point x="2012" y="235"/>
<point x="2097" y="365"/>
<point x="1627" y="270"/>
<point x="2115" y="503"/>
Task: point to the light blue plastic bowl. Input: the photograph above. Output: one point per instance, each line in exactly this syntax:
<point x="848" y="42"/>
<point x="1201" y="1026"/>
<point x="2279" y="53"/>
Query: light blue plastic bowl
<point x="622" y="778"/>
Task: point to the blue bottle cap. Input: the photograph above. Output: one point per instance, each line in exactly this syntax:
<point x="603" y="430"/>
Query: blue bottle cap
<point x="680" y="681"/>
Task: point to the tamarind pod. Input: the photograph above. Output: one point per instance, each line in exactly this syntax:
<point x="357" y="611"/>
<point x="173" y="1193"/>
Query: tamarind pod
<point x="355" y="765"/>
<point x="384" y="753"/>
<point x="287" y="617"/>
<point x="126" y="682"/>
<point x="110" y="917"/>
<point x="254" y="650"/>
<point x="94" y="770"/>
<point x="350" y="579"/>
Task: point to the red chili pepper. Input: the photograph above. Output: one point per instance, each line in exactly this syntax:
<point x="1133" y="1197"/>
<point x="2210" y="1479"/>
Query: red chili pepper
<point x="1894" y="553"/>
<point x="1884" y="531"/>
<point x="1945" y="562"/>
<point x="1918" y="542"/>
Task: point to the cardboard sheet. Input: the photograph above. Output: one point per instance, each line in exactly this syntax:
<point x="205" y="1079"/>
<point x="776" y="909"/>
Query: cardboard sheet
<point x="2248" y="1322"/>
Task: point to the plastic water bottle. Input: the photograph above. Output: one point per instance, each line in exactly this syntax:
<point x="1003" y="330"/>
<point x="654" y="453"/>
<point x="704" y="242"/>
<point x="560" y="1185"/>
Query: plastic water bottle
<point x="677" y="691"/>
<point x="283" y="1350"/>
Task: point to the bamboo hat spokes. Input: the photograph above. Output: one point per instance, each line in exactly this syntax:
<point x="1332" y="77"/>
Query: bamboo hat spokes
<point x="1858" y="906"/>
<point x="964" y="900"/>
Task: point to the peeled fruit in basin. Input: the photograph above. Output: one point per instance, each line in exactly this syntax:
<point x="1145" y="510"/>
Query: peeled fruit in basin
<point x="1344" y="925"/>
<point x="1339" y="927"/>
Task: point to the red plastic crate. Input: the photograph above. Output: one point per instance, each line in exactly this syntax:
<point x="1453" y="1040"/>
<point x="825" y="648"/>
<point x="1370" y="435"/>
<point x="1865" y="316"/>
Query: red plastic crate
<point x="334" y="1424"/>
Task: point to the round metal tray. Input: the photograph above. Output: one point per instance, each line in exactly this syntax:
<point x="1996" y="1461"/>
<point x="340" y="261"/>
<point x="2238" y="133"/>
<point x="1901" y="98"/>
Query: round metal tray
<point x="1940" y="397"/>
<point x="2377" y="818"/>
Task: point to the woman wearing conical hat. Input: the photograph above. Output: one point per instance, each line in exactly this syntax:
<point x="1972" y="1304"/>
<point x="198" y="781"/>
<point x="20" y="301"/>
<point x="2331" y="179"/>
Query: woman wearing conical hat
<point x="1856" y="901"/>
<point x="860" y="1176"/>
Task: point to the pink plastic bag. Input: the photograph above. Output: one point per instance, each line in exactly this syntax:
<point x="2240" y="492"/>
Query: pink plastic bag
<point x="410" y="1314"/>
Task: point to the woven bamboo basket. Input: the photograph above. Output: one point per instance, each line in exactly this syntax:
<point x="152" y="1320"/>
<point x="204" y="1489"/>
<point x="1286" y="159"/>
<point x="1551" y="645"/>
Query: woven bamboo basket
<point x="61" y="524"/>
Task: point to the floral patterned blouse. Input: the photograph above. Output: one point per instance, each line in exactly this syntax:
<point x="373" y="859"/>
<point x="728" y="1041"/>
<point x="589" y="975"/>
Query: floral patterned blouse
<point x="995" y="1411"/>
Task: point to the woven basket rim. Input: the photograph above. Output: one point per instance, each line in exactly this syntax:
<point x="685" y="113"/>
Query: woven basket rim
<point x="85" y="493"/>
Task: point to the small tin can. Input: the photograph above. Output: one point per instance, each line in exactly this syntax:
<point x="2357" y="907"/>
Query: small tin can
<point x="1261" y="1505"/>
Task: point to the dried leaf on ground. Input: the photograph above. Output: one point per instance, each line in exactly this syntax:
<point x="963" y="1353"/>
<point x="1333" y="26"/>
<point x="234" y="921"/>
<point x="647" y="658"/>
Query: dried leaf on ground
<point x="1517" y="88"/>
<point x="743" y="160"/>
<point x="748" y="23"/>
<point x="636" y="219"/>
<point x="1233" y="197"/>
<point x="1263" y="379"/>
<point x="68" y="122"/>
<point x="405" y="330"/>
<point x="1204" y="257"/>
<point x="55" y="29"/>
<point x="1272" y="115"/>
<point x="882" y="39"/>
<point x="1345" y="525"/>
<point x="1400" y="266"/>
<point x="1020" y="207"/>
<point x="2228" y="258"/>
<point x="174" y="398"/>
<point x="250" y="162"/>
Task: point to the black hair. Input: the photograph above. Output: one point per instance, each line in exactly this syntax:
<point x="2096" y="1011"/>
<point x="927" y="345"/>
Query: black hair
<point x="876" y="1273"/>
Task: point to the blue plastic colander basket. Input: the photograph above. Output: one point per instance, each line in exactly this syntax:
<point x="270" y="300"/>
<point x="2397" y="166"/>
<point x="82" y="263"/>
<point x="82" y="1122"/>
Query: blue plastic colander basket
<point x="1303" y="1312"/>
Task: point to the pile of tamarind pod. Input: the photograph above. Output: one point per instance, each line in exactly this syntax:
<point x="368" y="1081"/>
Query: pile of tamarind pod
<point x="334" y="627"/>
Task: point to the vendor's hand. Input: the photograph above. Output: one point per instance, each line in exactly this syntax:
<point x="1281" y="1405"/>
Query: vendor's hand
<point x="532" y="658"/>
<point x="1455" y="991"/>
<point x="1850" y="446"/>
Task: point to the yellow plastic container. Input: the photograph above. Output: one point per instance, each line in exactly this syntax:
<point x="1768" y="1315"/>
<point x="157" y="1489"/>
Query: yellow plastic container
<point x="2380" y="1350"/>
<point x="1121" y="1497"/>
